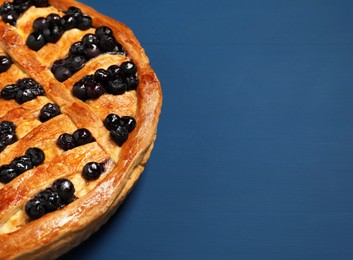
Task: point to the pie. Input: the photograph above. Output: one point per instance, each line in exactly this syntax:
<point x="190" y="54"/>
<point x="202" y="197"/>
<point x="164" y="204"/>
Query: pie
<point x="79" y="108"/>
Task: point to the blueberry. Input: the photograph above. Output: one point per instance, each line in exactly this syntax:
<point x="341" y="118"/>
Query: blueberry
<point x="107" y="43"/>
<point x="129" y="122"/>
<point x="77" y="48"/>
<point x="75" y="12"/>
<point x="92" y="171"/>
<point x="115" y="71"/>
<point x="54" y="19"/>
<point x="49" y="111"/>
<point x="75" y="63"/>
<point x="21" y="164"/>
<point x="26" y="83"/>
<point x="132" y="82"/>
<point x="92" y="51"/>
<point x="9" y="91"/>
<point x="88" y="39"/>
<point x="88" y="79"/>
<point x="66" y="142"/>
<point x="112" y="121"/>
<point x="7" y="127"/>
<point x="34" y="209"/>
<point x="83" y="136"/>
<point x="94" y="90"/>
<point x="49" y="199"/>
<point x="37" y="90"/>
<point x="117" y="87"/>
<point x="40" y="3"/>
<point x="128" y="68"/>
<point x="119" y="135"/>
<point x="36" y="155"/>
<point x="10" y="17"/>
<point x="84" y="23"/>
<point x="6" y="8"/>
<point x="5" y="63"/>
<point x="65" y="189"/>
<point x="40" y="24"/>
<point x="53" y="33"/>
<point x="103" y="30"/>
<point x="102" y="76"/>
<point x="57" y="64"/>
<point x="68" y="22"/>
<point x="23" y="96"/>
<point x="7" y="139"/>
<point x="62" y="74"/>
<point x="7" y="174"/>
<point x="36" y="41"/>
<point x="22" y="7"/>
<point x="79" y="91"/>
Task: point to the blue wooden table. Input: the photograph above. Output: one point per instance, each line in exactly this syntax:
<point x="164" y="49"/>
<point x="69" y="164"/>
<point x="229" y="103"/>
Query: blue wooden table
<point x="254" y="154"/>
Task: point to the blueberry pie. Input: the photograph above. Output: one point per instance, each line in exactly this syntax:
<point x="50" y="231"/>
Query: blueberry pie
<point x="79" y="107"/>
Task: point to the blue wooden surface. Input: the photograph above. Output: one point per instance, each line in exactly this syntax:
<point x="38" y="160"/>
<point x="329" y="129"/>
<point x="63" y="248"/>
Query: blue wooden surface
<point x="254" y="155"/>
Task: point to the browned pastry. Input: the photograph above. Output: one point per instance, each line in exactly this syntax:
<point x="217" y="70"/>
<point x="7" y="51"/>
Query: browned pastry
<point x="79" y="108"/>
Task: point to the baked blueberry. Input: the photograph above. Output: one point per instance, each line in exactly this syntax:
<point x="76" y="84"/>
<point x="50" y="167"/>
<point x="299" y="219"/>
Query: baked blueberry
<point x="89" y="39"/>
<point x="9" y="91"/>
<point x="10" y="17"/>
<point x="92" y="171"/>
<point x="40" y="3"/>
<point x="129" y="68"/>
<point x="132" y="82"/>
<point x="34" y="209"/>
<point x="36" y="41"/>
<point x="102" y="76"/>
<point x="119" y="135"/>
<point x="49" y="111"/>
<point x="23" y="96"/>
<point x="129" y="122"/>
<point x="53" y="33"/>
<point x="115" y="71"/>
<point x="50" y="199"/>
<point x="117" y="86"/>
<point x="83" y="136"/>
<point x="75" y="12"/>
<point x="7" y="174"/>
<point x="92" y="51"/>
<point x="112" y="121"/>
<point x="7" y="127"/>
<point x="65" y="189"/>
<point x="84" y="23"/>
<point x="103" y="30"/>
<point x="62" y="73"/>
<point x="75" y="63"/>
<point x="22" y="7"/>
<point x="40" y="24"/>
<point x="66" y="142"/>
<point x="94" y="90"/>
<point x="37" y="90"/>
<point x="36" y="155"/>
<point x="57" y="64"/>
<point x="6" y="8"/>
<point x="77" y="48"/>
<point x="21" y="164"/>
<point x="54" y="19"/>
<point x="26" y="83"/>
<point x="5" y="63"/>
<point x="79" y="91"/>
<point x="107" y="43"/>
<point x="68" y="22"/>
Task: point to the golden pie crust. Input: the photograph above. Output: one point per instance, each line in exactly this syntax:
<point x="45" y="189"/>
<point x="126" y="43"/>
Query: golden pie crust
<point x="57" y="232"/>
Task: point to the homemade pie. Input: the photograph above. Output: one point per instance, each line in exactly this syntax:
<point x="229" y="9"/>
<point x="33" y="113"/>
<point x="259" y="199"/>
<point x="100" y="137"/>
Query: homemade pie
<point x="79" y="107"/>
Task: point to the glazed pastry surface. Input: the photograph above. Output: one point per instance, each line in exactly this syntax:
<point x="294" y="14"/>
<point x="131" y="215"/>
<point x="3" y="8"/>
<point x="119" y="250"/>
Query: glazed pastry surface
<point x="94" y="200"/>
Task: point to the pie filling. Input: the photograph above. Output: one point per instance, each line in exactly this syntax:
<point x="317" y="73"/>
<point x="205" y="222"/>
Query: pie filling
<point x="25" y="99"/>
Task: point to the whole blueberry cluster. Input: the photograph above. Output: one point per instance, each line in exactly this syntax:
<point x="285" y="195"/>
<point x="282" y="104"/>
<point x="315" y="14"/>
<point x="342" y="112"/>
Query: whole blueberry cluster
<point x="5" y="63"/>
<point x="119" y="127"/>
<point x="115" y="80"/>
<point x="10" y="11"/>
<point x="49" y="111"/>
<point x="24" y="90"/>
<point x="33" y="157"/>
<point x="58" y="195"/>
<point x="52" y="28"/>
<point x="90" y="46"/>
<point x="80" y="137"/>
<point x="7" y="134"/>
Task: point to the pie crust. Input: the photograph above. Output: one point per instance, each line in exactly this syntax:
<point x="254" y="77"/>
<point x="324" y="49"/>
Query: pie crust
<point x="57" y="232"/>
